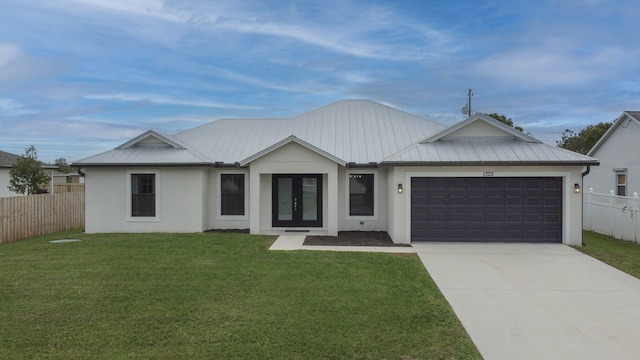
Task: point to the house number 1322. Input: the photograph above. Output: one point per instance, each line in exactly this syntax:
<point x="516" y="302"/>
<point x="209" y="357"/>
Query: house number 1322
<point x="487" y="174"/>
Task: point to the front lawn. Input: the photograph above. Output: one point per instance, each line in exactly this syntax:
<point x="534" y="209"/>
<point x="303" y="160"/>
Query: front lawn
<point x="623" y="255"/>
<point x="217" y="296"/>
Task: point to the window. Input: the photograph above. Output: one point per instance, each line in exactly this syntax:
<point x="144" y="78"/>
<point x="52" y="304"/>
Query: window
<point x="143" y="195"/>
<point x="621" y="184"/>
<point x="232" y="194"/>
<point x="361" y="194"/>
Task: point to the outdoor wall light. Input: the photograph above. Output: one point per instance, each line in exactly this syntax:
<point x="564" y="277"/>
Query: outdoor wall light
<point x="576" y="188"/>
<point x="400" y="189"/>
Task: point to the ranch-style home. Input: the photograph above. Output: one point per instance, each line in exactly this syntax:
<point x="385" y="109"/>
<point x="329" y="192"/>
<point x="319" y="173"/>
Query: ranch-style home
<point x="351" y="165"/>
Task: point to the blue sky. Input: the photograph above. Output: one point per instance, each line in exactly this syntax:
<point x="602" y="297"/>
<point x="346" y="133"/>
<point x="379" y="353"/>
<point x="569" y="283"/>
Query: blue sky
<point x="78" y="77"/>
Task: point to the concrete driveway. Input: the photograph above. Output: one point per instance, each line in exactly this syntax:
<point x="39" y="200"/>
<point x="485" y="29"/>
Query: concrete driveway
<point x="527" y="301"/>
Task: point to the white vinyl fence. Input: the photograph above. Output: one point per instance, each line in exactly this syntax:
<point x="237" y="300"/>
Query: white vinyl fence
<point x="612" y="215"/>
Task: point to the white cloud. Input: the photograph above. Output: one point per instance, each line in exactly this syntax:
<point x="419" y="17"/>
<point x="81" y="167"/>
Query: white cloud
<point x="151" y="8"/>
<point x="18" y="67"/>
<point x="10" y="107"/>
<point x="159" y="99"/>
<point x="547" y="65"/>
<point x="8" y="54"/>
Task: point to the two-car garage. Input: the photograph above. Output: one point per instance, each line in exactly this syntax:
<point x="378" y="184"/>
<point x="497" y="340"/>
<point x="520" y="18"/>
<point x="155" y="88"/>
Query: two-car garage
<point x="487" y="209"/>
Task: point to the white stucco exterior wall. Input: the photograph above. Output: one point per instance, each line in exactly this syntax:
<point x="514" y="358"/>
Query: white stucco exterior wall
<point x="180" y="203"/>
<point x="4" y="183"/>
<point x="400" y="212"/>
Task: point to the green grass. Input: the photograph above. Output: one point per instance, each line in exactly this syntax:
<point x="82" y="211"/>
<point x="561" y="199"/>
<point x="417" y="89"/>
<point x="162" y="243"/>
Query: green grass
<point x="217" y="296"/>
<point x="623" y="255"/>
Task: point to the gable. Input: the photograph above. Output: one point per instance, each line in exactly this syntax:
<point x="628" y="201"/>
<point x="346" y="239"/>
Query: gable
<point x="621" y="138"/>
<point x="480" y="127"/>
<point x="292" y="149"/>
<point x="293" y="152"/>
<point x="152" y="139"/>
<point x="480" y="130"/>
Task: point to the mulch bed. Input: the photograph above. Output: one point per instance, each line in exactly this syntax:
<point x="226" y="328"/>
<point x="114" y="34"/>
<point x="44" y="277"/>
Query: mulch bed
<point x="353" y="238"/>
<point x="239" y="231"/>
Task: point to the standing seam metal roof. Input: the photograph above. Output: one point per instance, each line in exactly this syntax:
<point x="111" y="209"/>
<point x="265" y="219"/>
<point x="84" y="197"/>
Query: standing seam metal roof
<point x="358" y="131"/>
<point x="355" y="131"/>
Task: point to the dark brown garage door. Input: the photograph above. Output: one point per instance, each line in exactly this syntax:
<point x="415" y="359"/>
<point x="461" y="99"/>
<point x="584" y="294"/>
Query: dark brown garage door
<point x="488" y="209"/>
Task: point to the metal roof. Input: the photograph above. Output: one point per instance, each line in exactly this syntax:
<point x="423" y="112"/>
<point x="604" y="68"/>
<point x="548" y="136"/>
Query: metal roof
<point x="489" y="151"/>
<point x="358" y="131"/>
<point x="143" y="156"/>
<point x="348" y="131"/>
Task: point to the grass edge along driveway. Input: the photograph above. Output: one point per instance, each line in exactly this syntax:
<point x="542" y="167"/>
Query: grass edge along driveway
<point x="217" y="295"/>
<point x="621" y="254"/>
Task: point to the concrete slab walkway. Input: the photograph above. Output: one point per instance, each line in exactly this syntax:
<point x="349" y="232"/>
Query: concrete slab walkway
<point x="296" y="242"/>
<point x="520" y="301"/>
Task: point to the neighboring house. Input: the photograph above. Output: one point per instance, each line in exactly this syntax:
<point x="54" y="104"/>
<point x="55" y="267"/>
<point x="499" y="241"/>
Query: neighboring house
<point x="6" y="163"/>
<point x="70" y="178"/>
<point x="619" y="154"/>
<point x="350" y="165"/>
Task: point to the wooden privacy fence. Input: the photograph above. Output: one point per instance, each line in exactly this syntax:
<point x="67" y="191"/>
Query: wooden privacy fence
<point x="22" y="217"/>
<point x="63" y="188"/>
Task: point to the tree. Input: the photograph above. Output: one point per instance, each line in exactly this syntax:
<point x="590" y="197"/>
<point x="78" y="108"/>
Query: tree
<point x="27" y="173"/>
<point x="583" y="141"/>
<point x="63" y="166"/>
<point x="506" y="120"/>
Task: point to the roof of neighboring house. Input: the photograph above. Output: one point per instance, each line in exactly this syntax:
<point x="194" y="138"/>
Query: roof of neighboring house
<point x="630" y="115"/>
<point x="7" y="159"/>
<point x="347" y="132"/>
<point x="61" y="174"/>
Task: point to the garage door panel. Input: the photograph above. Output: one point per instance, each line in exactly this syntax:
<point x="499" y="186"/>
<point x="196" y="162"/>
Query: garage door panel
<point x="486" y="209"/>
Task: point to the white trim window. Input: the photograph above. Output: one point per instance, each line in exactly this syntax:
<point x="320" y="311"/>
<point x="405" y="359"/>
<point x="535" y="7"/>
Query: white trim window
<point x="621" y="183"/>
<point x="362" y="194"/>
<point x="143" y="195"/>
<point x="232" y="194"/>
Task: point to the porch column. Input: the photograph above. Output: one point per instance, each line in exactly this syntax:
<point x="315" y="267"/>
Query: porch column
<point x="332" y="201"/>
<point x="254" y="201"/>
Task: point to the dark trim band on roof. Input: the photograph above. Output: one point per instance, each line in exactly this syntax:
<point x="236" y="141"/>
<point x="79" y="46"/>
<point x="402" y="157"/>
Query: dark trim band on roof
<point x="141" y="164"/>
<point x="362" y="165"/>
<point x="491" y="163"/>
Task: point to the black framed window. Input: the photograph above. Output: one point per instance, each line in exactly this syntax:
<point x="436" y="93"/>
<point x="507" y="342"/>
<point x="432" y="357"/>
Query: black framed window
<point x="361" y="194"/>
<point x="232" y="194"/>
<point x="143" y="195"/>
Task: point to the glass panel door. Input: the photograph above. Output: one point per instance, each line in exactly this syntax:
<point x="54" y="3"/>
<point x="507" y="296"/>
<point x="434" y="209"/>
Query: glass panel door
<point x="285" y="199"/>
<point x="297" y="200"/>
<point x="309" y="199"/>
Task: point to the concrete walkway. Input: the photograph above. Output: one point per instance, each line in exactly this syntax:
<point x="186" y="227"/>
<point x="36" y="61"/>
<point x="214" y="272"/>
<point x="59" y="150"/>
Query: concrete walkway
<point x="296" y="242"/>
<point x="520" y="301"/>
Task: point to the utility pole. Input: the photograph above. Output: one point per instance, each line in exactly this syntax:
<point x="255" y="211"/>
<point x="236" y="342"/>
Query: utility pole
<point x="466" y="110"/>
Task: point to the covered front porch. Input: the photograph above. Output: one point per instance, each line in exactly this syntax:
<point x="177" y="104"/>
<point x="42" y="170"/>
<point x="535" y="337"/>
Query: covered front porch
<point x="293" y="189"/>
